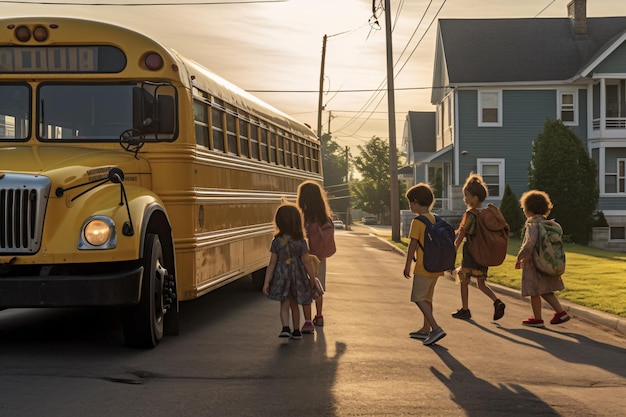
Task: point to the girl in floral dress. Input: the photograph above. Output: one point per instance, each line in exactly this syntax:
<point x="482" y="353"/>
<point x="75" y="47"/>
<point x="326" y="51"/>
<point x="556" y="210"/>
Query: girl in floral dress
<point x="286" y="277"/>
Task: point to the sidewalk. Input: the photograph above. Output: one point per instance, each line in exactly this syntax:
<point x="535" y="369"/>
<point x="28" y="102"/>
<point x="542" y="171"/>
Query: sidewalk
<point x="610" y="321"/>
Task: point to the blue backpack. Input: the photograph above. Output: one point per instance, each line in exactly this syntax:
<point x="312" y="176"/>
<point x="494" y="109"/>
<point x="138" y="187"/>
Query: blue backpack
<point x="438" y="248"/>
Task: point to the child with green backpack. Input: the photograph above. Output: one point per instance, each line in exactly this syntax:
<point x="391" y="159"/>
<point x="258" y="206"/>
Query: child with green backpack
<point x="541" y="258"/>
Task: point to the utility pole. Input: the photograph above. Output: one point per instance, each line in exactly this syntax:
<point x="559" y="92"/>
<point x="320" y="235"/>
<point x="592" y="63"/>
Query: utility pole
<point x="348" y="216"/>
<point x="320" y="106"/>
<point x="394" y="205"/>
<point x="330" y="117"/>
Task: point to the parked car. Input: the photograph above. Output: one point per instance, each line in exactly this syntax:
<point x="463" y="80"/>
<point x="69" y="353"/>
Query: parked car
<point x="369" y="220"/>
<point x="338" y="224"/>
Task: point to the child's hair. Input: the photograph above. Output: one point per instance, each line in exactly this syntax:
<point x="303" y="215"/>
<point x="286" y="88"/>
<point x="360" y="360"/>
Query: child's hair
<point x="537" y="202"/>
<point x="422" y="194"/>
<point x="475" y="185"/>
<point x="312" y="202"/>
<point x="288" y="221"/>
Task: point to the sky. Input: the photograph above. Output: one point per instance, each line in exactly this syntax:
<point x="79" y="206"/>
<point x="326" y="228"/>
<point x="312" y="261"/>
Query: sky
<point x="273" y="48"/>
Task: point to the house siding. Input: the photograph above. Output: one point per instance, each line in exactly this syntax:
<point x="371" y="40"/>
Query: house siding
<point x="531" y="79"/>
<point x="614" y="63"/>
<point x="611" y="203"/>
<point x="523" y="117"/>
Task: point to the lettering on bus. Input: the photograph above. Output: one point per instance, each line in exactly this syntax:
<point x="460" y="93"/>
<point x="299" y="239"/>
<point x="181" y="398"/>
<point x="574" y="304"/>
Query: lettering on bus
<point x="61" y="59"/>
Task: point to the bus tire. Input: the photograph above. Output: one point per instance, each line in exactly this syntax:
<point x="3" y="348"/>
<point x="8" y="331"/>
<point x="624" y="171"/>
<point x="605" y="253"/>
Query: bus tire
<point x="143" y="322"/>
<point x="258" y="278"/>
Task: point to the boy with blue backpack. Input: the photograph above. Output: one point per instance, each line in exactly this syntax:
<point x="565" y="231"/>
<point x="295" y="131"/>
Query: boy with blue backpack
<point x="432" y="248"/>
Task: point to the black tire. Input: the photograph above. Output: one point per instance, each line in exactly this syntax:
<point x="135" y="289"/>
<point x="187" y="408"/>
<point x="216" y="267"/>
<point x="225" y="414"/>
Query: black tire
<point x="143" y="323"/>
<point x="258" y="278"/>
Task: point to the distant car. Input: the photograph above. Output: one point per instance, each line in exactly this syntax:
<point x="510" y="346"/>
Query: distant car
<point x="369" y="220"/>
<point x="338" y="224"/>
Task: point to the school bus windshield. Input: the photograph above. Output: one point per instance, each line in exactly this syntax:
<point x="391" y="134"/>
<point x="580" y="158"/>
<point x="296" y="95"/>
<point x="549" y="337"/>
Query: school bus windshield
<point x="14" y="112"/>
<point x="67" y="112"/>
<point x="84" y="112"/>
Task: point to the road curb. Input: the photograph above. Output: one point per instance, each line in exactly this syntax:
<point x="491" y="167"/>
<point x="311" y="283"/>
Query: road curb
<point x="610" y="321"/>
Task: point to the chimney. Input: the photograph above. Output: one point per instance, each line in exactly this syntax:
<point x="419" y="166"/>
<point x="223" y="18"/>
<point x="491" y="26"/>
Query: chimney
<point x="577" y="11"/>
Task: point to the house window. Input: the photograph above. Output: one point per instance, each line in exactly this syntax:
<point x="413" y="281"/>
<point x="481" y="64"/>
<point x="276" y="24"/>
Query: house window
<point x="490" y="108"/>
<point x="568" y="108"/>
<point x="492" y="171"/>
<point x="612" y="100"/>
<point x="617" y="233"/>
<point x="615" y="182"/>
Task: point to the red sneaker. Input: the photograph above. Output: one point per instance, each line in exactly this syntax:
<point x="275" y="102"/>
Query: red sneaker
<point x="308" y="327"/>
<point x="533" y="322"/>
<point x="559" y="318"/>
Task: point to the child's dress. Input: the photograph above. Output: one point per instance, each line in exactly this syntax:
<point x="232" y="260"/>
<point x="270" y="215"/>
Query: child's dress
<point x="533" y="281"/>
<point x="290" y="279"/>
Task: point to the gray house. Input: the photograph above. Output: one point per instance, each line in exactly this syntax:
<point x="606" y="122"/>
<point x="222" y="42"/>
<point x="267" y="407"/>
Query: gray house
<point x="495" y="83"/>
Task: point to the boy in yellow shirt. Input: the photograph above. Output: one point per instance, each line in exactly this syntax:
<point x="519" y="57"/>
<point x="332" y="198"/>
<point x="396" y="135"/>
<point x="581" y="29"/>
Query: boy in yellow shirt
<point x="421" y="200"/>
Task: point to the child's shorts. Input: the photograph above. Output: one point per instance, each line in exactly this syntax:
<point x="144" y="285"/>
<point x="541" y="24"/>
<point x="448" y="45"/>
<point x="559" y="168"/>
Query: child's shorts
<point x="423" y="288"/>
<point x="476" y="273"/>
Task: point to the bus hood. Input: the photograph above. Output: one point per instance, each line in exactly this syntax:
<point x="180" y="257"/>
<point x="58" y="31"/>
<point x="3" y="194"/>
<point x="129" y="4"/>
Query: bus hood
<point x="67" y="164"/>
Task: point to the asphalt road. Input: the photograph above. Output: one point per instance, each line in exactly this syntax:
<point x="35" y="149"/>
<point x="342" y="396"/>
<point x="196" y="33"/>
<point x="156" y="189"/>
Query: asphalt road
<point x="228" y="360"/>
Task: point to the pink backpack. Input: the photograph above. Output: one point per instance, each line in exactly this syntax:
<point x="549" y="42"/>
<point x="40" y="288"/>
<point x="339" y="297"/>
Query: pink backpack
<point x="321" y="239"/>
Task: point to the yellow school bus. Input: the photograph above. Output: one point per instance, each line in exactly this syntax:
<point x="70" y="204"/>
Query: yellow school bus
<point x="131" y="176"/>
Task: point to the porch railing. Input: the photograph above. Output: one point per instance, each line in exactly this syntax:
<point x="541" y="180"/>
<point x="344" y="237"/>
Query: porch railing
<point x="442" y="204"/>
<point x="610" y="123"/>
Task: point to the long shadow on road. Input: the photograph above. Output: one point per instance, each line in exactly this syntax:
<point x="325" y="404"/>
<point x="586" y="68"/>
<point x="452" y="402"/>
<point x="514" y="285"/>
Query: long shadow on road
<point x="479" y="398"/>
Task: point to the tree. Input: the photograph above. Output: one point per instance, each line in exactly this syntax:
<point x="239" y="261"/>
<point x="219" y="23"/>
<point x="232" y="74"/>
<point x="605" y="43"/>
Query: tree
<point x="371" y="193"/>
<point x="512" y="211"/>
<point x="334" y="162"/>
<point x="562" y="167"/>
<point x="335" y="168"/>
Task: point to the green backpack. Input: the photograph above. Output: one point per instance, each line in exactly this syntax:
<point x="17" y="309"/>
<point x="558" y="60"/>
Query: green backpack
<point x="549" y="254"/>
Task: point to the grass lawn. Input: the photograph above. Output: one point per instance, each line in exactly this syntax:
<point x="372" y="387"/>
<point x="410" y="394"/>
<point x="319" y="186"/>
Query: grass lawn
<point x="593" y="277"/>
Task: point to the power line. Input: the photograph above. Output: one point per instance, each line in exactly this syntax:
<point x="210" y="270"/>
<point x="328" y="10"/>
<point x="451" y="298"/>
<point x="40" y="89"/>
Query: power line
<point x="545" y="8"/>
<point x="345" y="91"/>
<point x="199" y="3"/>
<point x="380" y="92"/>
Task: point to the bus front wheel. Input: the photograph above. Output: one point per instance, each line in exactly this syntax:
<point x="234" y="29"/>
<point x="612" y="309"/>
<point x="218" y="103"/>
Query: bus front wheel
<point x="143" y="323"/>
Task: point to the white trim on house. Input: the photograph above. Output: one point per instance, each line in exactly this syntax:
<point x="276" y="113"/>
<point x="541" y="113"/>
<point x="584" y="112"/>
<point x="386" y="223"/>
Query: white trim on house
<point x="456" y="160"/>
<point x="560" y="107"/>
<point x="498" y="122"/>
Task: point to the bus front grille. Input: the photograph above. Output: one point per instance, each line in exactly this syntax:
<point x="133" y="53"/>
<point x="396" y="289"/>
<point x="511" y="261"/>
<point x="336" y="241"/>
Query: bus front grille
<point x="23" y="200"/>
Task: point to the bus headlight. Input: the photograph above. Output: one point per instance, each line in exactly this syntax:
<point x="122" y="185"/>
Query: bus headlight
<point x="98" y="232"/>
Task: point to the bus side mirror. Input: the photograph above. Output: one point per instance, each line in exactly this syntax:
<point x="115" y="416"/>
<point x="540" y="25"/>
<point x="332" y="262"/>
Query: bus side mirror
<point x="143" y="111"/>
<point x="166" y="111"/>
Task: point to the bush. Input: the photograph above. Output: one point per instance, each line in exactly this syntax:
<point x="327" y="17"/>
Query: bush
<point x="561" y="166"/>
<point x="512" y="211"/>
<point x="599" y="220"/>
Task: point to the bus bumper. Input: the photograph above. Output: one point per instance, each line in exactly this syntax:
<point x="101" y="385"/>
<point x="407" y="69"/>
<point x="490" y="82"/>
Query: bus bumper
<point x="120" y="288"/>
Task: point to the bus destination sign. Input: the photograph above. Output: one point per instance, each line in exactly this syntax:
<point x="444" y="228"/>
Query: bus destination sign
<point x="60" y="59"/>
